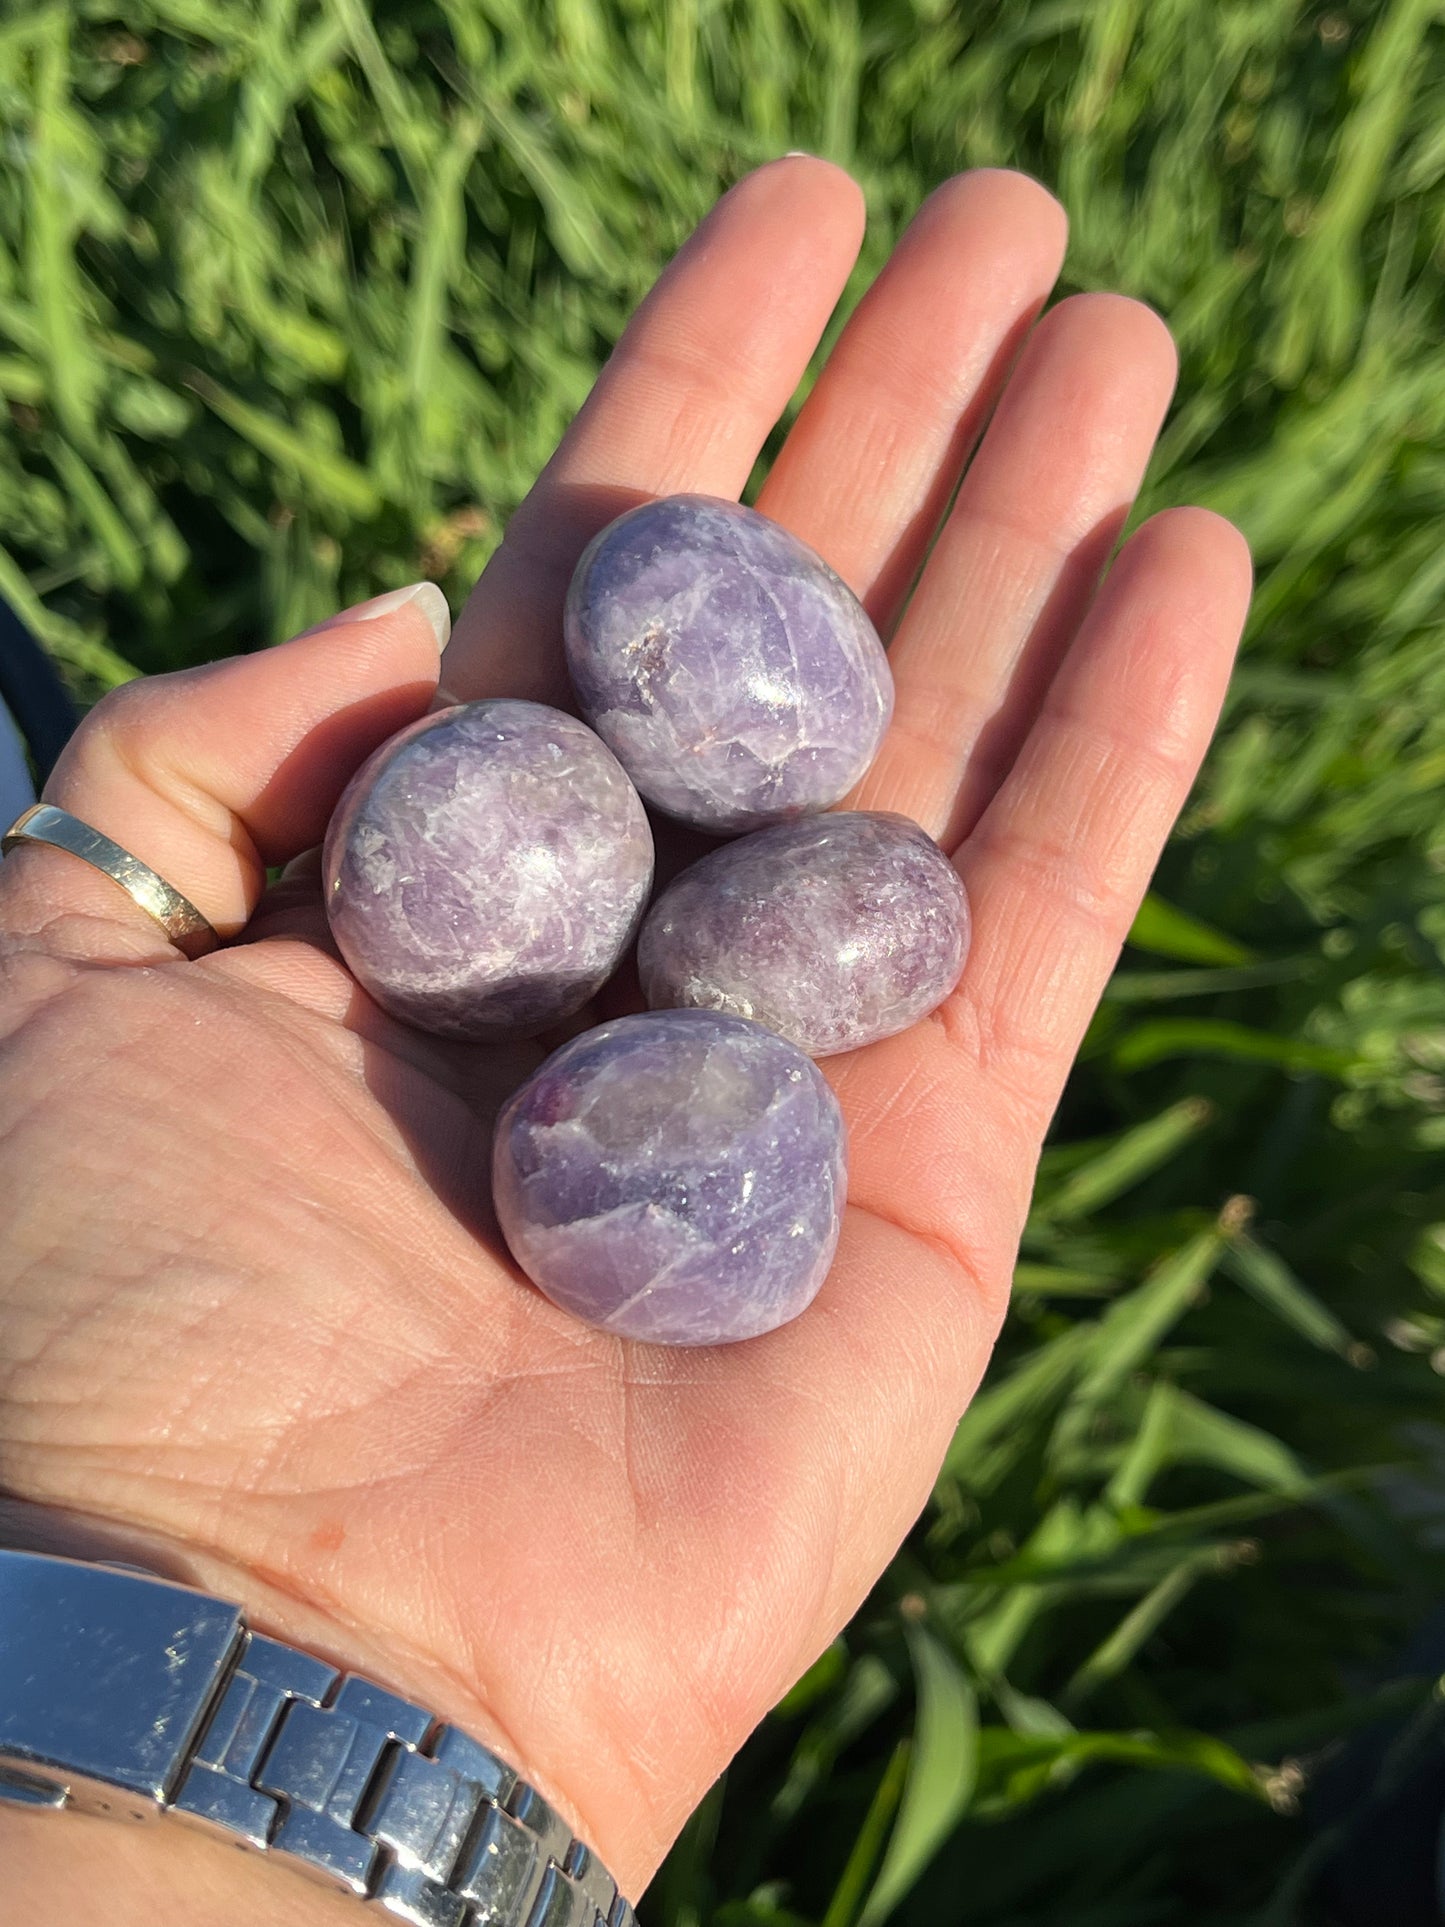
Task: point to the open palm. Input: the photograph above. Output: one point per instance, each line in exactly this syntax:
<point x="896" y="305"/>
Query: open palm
<point x="256" y="1322"/>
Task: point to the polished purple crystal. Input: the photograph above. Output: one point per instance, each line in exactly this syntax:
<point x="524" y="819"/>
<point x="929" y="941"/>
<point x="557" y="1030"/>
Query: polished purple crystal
<point x="834" y="931"/>
<point x="736" y="676"/>
<point x="486" y="868"/>
<point x="676" y="1176"/>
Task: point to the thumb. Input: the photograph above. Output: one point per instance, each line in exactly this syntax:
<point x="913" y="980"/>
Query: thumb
<point x="213" y="775"/>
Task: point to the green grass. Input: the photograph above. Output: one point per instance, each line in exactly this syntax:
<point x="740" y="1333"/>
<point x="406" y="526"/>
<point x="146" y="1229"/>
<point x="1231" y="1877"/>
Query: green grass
<point x="296" y="296"/>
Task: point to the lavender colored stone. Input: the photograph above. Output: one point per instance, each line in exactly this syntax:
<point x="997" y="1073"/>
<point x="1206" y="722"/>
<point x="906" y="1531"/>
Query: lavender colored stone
<point x="677" y="1177"/>
<point x="834" y="932"/>
<point x="735" y="675"/>
<point x="486" y="868"/>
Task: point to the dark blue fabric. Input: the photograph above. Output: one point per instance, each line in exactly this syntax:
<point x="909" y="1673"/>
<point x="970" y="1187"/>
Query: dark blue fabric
<point x="33" y="692"/>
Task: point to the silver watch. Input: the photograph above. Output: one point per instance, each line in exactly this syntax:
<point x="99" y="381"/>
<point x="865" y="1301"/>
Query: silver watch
<point x="128" y="1696"/>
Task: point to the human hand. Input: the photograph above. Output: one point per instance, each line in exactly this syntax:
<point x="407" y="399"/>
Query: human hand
<point x="256" y="1324"/>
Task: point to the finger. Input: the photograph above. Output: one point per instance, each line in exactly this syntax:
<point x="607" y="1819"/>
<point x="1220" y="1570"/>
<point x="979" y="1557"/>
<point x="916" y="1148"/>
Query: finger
<point x="211" y="775"/>
<point x="685" y="403"/>
<point x="868" y="467"/>
<point x="945" y="1120"/>
<point x="1019" y="558"/>
<point x="1061" y="858"/>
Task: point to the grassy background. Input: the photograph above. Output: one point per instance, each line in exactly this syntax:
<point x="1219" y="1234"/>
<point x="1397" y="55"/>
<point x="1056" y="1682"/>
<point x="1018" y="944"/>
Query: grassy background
<point x="295" y="297"/>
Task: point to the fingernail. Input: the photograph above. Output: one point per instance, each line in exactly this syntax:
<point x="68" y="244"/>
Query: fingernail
<point x="799" y="154"/>
<point x="428" y="599"/>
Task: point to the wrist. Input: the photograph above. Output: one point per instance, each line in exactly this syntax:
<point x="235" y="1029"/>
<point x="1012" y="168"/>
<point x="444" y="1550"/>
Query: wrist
<point x="76" y="1867"/>
<point x="273" y="1606"/>
<point x="138" y="1696"/>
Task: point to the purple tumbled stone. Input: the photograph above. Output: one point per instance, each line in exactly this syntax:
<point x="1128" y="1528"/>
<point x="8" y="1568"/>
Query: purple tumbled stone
<point x="485" y="869"/>
<point x="677" y="1177"/>
<point x="835" y="931"/>
<point x="736" y="676"/>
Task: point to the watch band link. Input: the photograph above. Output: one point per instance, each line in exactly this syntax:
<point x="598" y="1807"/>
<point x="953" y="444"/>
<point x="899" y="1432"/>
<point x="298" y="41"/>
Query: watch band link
<point x="365" y="1791"/>
<point x="276" y="1751"/>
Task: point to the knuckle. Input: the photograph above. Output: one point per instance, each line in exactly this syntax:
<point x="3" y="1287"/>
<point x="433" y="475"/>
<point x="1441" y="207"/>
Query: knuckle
<point x="115" y="728"/>
<point x="114" y="716"/>
<point x="127" y="731"/>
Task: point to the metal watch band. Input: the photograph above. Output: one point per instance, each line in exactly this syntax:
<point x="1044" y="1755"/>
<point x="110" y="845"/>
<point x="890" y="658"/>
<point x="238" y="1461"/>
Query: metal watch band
<point x="126" y="1695"/>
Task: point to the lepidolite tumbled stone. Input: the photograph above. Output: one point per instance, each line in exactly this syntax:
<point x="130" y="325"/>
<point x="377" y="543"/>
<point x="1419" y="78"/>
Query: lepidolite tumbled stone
<point x="486" y="868"/>
<point x="736" y="676"/>
<point x="677" y="1177"/>
<point x="834" y="932"/>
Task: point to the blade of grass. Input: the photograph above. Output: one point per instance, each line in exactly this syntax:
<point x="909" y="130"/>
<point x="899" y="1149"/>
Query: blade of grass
<point x="942" y="1769"/>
